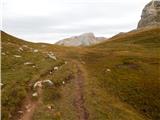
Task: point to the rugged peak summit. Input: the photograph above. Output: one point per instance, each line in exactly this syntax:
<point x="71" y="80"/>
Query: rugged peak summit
<point x="150" y="14"/>
<point x="85" y="39"/>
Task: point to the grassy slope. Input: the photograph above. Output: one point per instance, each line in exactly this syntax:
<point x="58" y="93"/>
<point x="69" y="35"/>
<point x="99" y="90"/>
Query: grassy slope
<point x="17" y="77"/>
<point x="133" y="80"/>
<point x="129" y="91"/>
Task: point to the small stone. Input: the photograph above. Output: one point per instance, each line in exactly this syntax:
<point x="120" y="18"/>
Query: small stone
<point x="20" y="49"/>
<point x="20" y="112"/>
<point x="17" y="56"/>
<point x="28" y="63"/>
<point x="63" y="82"/>
<point x="3" y="53"/>
<point x="1" y="84"/>
<point x="55" y="68"/>
<point x="35" y="94"/>
<point x="35" y="50"/>
<point x="52" y="56"/>
<point x="108" y="70"/>
<point x="49" y="107"/>
<point x="33" y="66"/>
<point x="38" y="84"/>
<point x="48" y="81"/>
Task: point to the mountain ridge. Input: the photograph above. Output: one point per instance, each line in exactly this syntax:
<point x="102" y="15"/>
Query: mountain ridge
<point x="84" y="39"/>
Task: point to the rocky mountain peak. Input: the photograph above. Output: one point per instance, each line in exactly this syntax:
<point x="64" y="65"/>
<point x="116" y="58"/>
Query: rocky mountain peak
<point x="150" y="14"/>
<point x="85" y="39"/>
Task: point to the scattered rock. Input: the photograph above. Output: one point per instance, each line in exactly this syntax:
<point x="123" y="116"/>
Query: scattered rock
<point x="35" y="94"/>
<point x="51" y="55"/>
<point x="50" y="72"/>
<point x="50" y="107"/>
<point x="55" y="68"/>
<point x="33" y="66"/>
<point x="48" y="81"/>
<point x="3" y="53"/>
<point x="20" y="112"/>
<point x="17" y="56"/>
<point x="20" y="49"/>
<point x="38" y="84"/>
<point x="108" y="70"/>
<point x="28" y="63"/>
<point x="63" y="82"/>
<point x="1" y="84"/>
<point x="35" y="50"/>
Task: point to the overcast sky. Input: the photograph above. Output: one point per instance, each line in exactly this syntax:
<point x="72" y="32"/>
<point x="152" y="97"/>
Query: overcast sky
<point x="53" y="20"/>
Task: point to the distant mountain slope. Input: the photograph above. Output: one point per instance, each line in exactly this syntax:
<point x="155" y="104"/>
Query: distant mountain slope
<point x="85" y="39"/>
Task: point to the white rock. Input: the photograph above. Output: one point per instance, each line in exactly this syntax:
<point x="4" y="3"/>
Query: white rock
<point x="49" y="107"/>
<point x="48" y="81"/>
<point x="20" y="112"/>
<point x="38" y="84"/>
<point x="108" y="70"/>
<point x="52" y="56"/>
<point x="20" y="49"/>
<point x="35" y="94"/>
<point x="63" y="82"/>
<point x="3" y="53"/>
<point x="28" y="63"/>
<point x="35" y="50"/>
<point x="55" y="68"/>
<point x="33" y="66"/>
<point x="1" y="84"/>
<point x="17" y="56"/>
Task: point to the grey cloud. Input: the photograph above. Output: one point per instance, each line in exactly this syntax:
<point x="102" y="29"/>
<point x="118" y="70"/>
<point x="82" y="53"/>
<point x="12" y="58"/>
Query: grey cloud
<point x="75" y="18"/>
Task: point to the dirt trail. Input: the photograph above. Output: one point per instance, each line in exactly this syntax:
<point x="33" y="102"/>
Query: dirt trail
<point x="81" y="110"/>
<point x="31" y="105"/>
<point x="79" y="95"/>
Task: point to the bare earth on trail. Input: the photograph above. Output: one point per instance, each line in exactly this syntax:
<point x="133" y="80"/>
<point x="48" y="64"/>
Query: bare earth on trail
<point x="30" y="106"/>
<point x="79" y="96"/>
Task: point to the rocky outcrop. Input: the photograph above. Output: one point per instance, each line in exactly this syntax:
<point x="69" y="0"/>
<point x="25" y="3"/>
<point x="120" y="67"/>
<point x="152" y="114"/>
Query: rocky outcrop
<point x="150" y="15"/>
<point x="85" y="39"/>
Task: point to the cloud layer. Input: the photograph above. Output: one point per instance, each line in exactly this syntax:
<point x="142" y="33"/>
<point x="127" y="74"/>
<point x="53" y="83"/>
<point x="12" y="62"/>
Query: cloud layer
<point x="52" y="20"/>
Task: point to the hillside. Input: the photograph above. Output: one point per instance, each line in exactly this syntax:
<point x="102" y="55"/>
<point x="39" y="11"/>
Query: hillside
<point x="113" y="80"/>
